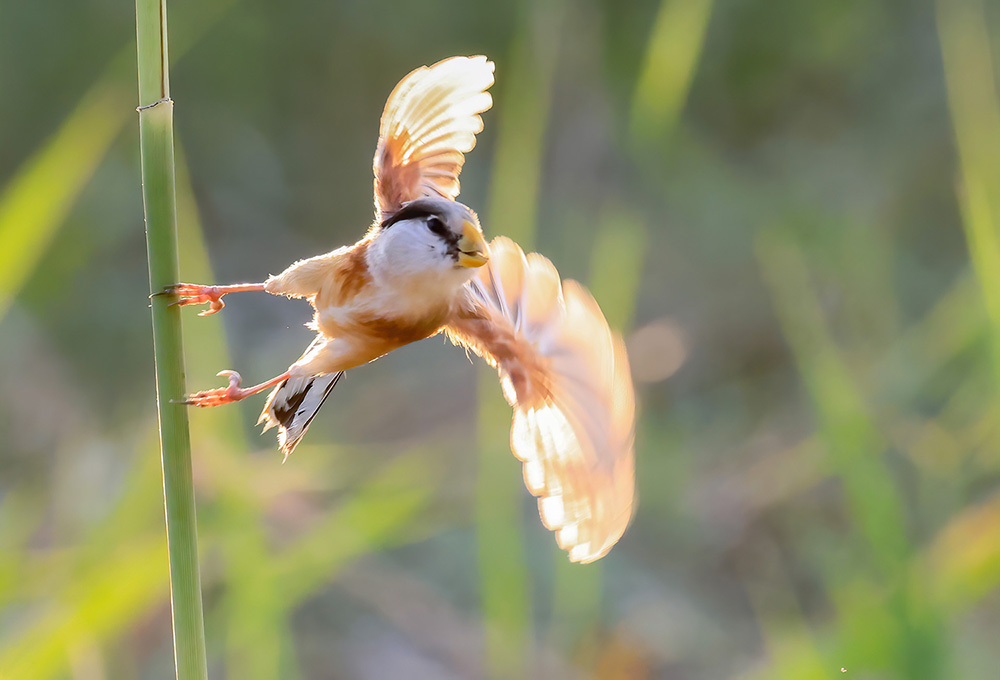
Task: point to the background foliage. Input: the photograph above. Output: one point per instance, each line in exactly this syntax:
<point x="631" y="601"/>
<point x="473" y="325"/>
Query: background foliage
<point x="791" y="208"/>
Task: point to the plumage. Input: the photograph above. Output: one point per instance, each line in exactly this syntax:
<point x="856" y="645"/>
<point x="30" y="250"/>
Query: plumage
<point x="292" y="406"/>
<point x="422" y="268"/>
<point x="430" y="122"/>
<point x="567" y="377"/>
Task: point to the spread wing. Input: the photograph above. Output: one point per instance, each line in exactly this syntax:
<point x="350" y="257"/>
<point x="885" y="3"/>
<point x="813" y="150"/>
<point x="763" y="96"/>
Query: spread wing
<point x="430" y="121"/>
<point x="567" y="377"/>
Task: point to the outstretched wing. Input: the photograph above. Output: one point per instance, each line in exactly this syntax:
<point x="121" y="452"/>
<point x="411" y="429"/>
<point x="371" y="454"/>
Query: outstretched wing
<point x="430" y="121"/>
<point x="567" y="377"/>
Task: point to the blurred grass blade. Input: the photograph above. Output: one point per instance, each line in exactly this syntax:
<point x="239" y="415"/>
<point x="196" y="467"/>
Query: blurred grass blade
<point x="36" y="201"/>
<point x="855" y="449"/>
<point x="222" y="427"/>
<point x="502" y="562"/>
<point x="671" y="59"/>
<point x="98" y="603"/>
<point x="522" y="117"/>
<point x="616" y="264"/>
<point x="854" y="445"/>
<point x="975" y="114"/>
<point x="256" y="626"/>
<point x="157" y="146"/>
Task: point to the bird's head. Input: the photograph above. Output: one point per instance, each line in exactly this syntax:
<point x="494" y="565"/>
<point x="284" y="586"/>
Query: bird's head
<point x="430" y="239"/>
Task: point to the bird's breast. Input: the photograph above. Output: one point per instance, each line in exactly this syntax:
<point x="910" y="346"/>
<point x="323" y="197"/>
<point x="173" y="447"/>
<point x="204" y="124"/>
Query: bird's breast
<point x="382" y="322"/>
<point x="399" y="331"/>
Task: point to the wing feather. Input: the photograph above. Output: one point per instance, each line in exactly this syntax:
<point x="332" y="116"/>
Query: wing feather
<point x="567" y="377"/>
<point x="430" y="122"/>
<point x="293" y="404"/>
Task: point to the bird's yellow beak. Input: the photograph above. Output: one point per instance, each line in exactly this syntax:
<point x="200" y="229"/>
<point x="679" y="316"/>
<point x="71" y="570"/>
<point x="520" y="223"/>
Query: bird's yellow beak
<point x="472" y="247"/>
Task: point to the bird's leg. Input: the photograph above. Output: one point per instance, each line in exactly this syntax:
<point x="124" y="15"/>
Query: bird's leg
<point x="227" y="395"/>
<point x="196" y="294"/>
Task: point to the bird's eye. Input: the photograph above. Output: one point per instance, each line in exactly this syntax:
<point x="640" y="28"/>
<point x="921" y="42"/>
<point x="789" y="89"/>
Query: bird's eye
<point x="437" y="226"/>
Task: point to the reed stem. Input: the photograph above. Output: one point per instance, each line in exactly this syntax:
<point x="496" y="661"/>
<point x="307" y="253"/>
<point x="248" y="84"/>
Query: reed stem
<point x="157" y="149"/>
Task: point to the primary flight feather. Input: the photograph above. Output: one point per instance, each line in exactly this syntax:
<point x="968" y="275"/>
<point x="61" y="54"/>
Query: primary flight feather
<point x="424" y="268"/>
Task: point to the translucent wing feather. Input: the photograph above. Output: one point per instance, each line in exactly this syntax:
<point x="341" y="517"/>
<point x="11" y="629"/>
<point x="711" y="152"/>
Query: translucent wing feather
<point x="430" y="121"/>
<point x="567" y="377"/>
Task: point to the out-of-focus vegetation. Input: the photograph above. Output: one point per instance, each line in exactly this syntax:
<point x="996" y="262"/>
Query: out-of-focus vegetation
<point x="790" y="208"/>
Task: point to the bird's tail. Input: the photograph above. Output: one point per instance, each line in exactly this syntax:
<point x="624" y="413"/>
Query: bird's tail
<point x="292" y="406"/>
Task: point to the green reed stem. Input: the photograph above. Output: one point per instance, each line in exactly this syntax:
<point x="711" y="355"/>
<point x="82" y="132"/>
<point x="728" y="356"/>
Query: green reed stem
<point x="157" y="147"/>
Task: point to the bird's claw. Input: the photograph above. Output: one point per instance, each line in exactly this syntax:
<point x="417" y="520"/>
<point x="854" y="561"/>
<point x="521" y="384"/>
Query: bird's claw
<point x="220" y="395"/>
<point x="195" y="294"/>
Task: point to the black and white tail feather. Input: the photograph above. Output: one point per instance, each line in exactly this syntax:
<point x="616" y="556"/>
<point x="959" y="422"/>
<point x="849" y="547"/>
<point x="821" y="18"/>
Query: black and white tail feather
<point x="292" y="406"/>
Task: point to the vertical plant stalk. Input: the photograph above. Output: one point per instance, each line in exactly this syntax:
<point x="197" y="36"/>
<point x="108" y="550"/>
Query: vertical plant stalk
<point x="157" y="146"/>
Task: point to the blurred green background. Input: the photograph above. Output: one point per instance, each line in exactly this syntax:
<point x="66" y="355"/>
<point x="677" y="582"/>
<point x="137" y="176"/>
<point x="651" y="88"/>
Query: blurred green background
<point x="791" y="208"/>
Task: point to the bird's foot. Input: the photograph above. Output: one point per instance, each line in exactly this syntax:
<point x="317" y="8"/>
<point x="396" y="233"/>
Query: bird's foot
<point x="221" y="395"/>
<point x="195" y="294"/>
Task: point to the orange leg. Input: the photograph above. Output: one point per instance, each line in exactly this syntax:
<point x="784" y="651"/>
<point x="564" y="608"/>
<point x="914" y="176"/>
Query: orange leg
<point x="228" y="395"/>
<point x="196" y="294"/>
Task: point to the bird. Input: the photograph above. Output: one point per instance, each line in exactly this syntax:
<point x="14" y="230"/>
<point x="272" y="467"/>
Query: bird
<point x="423" y="268"/>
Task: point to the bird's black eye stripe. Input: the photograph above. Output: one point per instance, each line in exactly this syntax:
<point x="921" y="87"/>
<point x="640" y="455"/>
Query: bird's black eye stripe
<point x="430" y="213"/>
<point x="436" y="225"/>
<point x="410" y="211"/>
